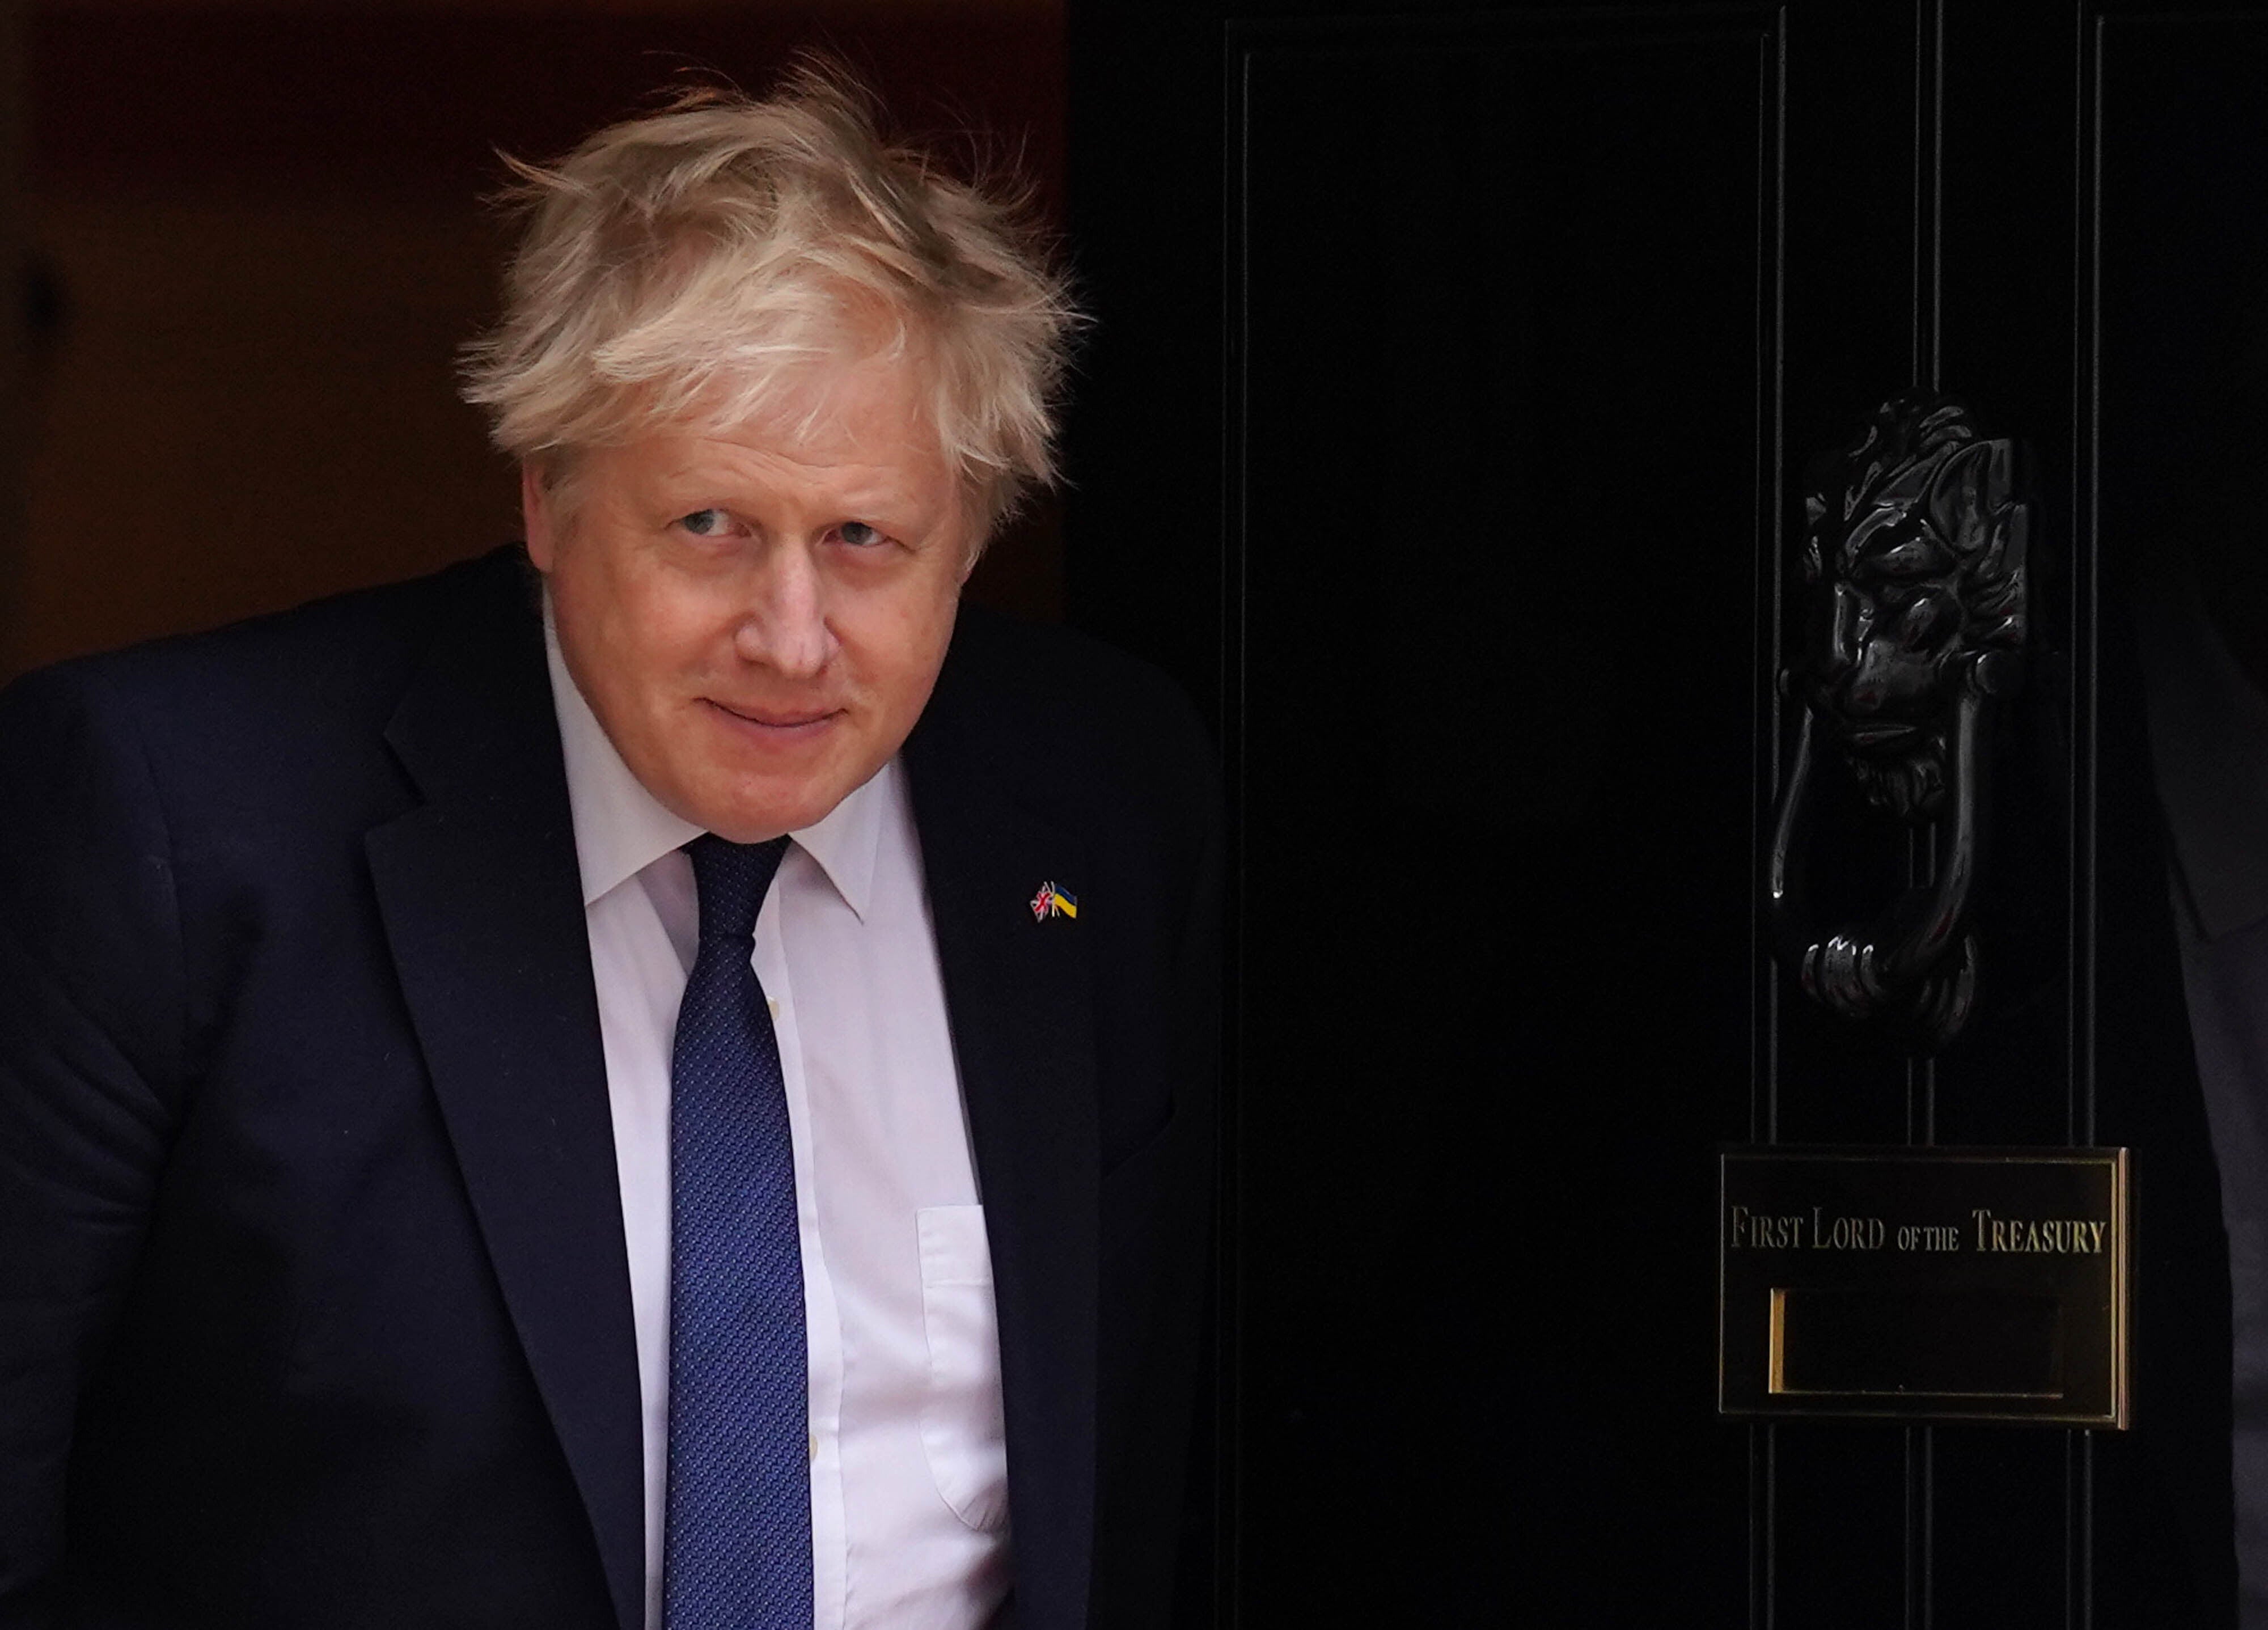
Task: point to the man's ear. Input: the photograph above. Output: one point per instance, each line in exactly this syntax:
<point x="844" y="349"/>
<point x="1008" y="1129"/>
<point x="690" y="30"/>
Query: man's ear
<point x="536" y="517"/>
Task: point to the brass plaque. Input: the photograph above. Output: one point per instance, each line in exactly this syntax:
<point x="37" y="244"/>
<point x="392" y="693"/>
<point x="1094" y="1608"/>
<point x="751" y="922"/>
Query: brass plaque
<point x="1923" y="1284"/>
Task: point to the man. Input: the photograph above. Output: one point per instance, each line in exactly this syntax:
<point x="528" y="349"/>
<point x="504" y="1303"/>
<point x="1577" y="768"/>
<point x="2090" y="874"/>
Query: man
<point x="671" y="1088"/>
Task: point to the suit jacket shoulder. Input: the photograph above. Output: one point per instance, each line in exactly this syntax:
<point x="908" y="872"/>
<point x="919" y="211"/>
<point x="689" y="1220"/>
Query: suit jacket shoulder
<point x="250" y="1239"/>
<point x="1076" y="728"/>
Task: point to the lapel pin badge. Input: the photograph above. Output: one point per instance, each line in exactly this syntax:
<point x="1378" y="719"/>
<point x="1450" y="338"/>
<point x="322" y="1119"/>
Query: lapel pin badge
<point x="1051" y="901"/>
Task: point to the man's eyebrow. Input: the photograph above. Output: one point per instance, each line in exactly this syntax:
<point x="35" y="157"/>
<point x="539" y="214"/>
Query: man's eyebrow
<point x="905" y="506"/>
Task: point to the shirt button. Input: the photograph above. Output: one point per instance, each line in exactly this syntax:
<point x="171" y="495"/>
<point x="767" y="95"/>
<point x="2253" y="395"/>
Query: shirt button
<point x="812" y="1440"/>
<point x="773" y="1004"/>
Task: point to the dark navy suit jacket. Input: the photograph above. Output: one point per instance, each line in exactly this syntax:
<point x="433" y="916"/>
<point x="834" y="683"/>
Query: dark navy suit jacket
<point x="313" y="1303"/>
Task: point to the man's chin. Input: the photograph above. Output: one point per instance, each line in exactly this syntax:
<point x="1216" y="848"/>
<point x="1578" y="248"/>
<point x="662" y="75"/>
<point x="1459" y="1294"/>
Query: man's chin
<point x="757" y="814"/>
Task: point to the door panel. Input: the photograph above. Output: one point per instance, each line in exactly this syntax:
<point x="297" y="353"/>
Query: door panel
<point x="1497" y="575"/>
<point x="1504" y="340"/>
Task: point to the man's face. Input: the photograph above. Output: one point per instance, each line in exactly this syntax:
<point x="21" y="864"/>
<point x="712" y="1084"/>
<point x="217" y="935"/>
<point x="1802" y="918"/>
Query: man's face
<point x="757" y="617"/>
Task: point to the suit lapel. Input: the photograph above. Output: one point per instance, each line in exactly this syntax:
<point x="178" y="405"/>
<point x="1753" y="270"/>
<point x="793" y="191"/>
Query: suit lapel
<point x="1017" y="990"/>
<point x="482" y="907"/>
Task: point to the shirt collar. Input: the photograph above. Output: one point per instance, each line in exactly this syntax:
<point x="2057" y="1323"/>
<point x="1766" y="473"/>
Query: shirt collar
<point x="621" y="828"/>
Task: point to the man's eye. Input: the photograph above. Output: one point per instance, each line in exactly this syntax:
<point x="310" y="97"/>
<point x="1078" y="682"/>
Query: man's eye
<point x="704" y="523"/>
<point x="858" y="535"/>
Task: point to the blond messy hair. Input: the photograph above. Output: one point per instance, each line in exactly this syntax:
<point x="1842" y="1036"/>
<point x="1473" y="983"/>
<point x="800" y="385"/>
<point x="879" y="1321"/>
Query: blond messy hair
<point x="695" y="265"/>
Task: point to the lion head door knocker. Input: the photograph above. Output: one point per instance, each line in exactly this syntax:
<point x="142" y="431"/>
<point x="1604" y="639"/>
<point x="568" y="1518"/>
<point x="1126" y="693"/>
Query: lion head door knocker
<point x="1913" y="554"/>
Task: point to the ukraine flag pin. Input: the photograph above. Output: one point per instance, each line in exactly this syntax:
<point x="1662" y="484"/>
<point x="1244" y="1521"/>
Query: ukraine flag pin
<point x="1051" y="901"/>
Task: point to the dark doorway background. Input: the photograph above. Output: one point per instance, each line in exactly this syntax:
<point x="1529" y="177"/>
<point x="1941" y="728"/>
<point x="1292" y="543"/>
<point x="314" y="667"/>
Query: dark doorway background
<point x="258" y="238"/>
<point x="1525" y="320"/>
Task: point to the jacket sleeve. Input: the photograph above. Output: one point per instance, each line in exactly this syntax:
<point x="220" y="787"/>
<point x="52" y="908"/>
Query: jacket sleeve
<point x="91" y="1028"/>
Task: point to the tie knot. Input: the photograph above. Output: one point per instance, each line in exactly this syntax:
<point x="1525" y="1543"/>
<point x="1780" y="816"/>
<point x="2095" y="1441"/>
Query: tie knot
<point x="732" y="878"/>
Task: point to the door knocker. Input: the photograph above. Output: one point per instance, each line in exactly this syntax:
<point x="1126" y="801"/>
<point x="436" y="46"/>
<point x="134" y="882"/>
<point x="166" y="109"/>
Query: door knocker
<point x="1914" y="558"/>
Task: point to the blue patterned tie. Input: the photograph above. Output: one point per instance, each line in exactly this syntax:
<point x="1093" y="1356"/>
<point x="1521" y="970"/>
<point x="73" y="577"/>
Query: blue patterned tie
<point x="736" y="1553"/>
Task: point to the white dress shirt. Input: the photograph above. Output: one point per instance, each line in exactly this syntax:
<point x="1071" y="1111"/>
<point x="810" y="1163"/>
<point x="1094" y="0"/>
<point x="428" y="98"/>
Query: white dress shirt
<point x="908" y="1470"/>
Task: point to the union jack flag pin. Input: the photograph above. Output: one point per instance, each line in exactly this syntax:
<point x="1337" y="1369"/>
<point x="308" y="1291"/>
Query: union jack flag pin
<point x="1051" y="901"/>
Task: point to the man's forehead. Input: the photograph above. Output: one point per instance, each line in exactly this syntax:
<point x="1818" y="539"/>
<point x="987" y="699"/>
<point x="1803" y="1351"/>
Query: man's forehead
<point x="875" y="413"/>
<point x="706" y="459"/>
<point x="813" y="398"/>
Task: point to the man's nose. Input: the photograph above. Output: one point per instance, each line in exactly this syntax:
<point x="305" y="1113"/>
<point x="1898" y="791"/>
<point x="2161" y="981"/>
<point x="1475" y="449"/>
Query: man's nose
<point x="784" y="625"/>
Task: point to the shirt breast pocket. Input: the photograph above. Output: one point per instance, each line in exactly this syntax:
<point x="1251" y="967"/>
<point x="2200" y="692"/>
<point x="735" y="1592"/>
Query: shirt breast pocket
<point x="962" y="1430"/>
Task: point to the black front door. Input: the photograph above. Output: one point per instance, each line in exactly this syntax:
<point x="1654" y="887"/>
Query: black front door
<point x="1446" y="429"/>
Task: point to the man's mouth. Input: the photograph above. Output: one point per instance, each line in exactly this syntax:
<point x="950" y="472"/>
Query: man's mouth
<point x="784" y="720"/>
